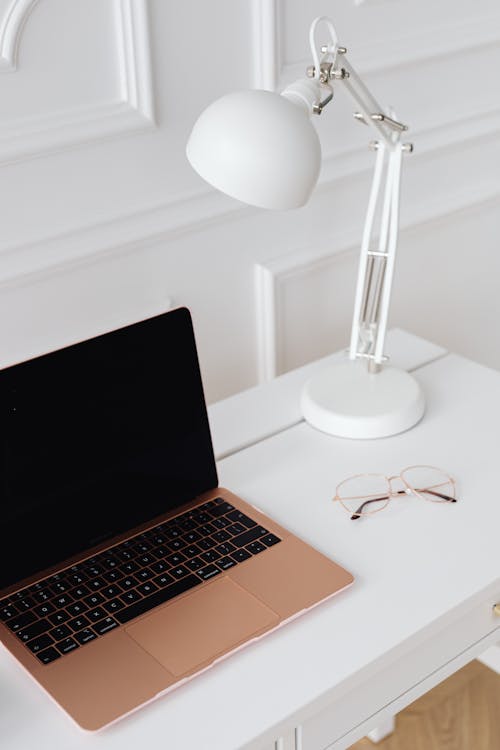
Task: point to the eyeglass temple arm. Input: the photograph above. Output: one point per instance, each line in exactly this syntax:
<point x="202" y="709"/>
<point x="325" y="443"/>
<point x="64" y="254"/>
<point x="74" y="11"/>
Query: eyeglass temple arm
<point x="359" y="511"/>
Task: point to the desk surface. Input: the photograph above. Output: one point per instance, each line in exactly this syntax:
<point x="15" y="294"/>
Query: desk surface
<point x="416" y="565"/>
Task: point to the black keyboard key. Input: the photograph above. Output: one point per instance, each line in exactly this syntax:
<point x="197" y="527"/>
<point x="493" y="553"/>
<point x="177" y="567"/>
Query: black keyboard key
<point x="210" y="556"/>
<point x="206" y="529"/>
<point x="96" y="583"/>
<point x="129" y="567"/>
<point x="146" y="559"/>
<point x="195" y="564"/>
<point x="256" y="547"/>
<point x="60" y="587"/>
<point x="125" y="554"/>
<point x="270" y="539"/>
<point x="76" y="579"/>
<point x="8" y="611"/>
<point x="77" y="623"/>
<point x="236" y="528"/>
<point x="80" y="591"/>
<point x="221" y="510"/>
<point x="221" y="536"/>
<point x="179" y="571"/>
<point x="221" y="523"/>
<point x="163" y="580"/>
<point x="249" y="536"/>
<point x="173" y="532"/>
<point x="159" y="566"/>
<point x="207" y="543"/>
<point x="50" y="654"/>
<point x="147" y="588"/>
<point x="62" y="601"/>
<point x="21" y="621"/>
<point x="192" y="537"/>
<point x="113" y="575"/>
<point x="62" y="631"/>
<point x="204" y="518"/>
<point x="159" y="597"/>
<point x="24" y="604"/>
<point x="225" y="563"/>
<point x="41" y="643"/>
<point x="77" y="608"/>
<point x="142" y="547"/>
<point x="94" y="570"/>
<point x="240" y="517"/>
<point x="176" y="544"/>
<point x="31" y="631"/>
<point x="115" y="605"/>
<point x="66" y="646"/>
<point x="85" y="635"/>
<point x="44" y="609"/>
<point x="226" y="548"/>
<point x="208" y="572"/>
<point x="43" y="596"/>
<point x="176" y="558"/>
<point x="59" y="617"/>
<point x="161" y="551"/>
<point x="129" y="583"/>
<point x="188" y="525"/>
<point x="110" y="562"/>
<point x="93" y="600"/>
<point x="191" y="551"/>
<point x="129" y="597"/>
<point x="144" y="575"/>
<point x="96" y="614"/>
<point x="111" y="591"/>
<point x="241" y="555"/>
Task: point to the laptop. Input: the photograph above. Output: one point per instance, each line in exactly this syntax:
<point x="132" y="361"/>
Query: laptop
<point x="125" y="570"/>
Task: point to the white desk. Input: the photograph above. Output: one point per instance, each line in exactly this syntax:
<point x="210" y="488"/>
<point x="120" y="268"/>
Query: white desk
<point x="421" y="607"/>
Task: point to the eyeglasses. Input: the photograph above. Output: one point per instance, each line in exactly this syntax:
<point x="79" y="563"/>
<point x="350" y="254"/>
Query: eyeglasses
<point x="365" y="494"/>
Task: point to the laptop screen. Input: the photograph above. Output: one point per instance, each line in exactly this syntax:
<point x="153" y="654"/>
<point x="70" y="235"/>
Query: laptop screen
<point x="97" y="438"/>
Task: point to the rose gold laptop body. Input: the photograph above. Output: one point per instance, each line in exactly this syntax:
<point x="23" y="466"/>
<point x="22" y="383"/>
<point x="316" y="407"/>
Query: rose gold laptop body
<point x="144" y="659"/>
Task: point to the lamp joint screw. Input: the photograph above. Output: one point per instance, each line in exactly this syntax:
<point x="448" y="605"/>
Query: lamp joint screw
<point x="407" y="147"/>
<point x="340" y="74"/>
<point x="373" y="145"/>
<point x="341" y="50"/>
<point x="310" y="71"/>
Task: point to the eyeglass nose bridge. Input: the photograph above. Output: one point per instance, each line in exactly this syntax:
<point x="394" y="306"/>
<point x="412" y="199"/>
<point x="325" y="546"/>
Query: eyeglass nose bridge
<point x="404" y="487"/>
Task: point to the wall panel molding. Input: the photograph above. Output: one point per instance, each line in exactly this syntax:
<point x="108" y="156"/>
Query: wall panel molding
<point x="132" y="110"/>
<point x="130" y="233"/>
<point x="11" y="27"/>
<point x="271" y="277"/>
<point x="272" y="71"/>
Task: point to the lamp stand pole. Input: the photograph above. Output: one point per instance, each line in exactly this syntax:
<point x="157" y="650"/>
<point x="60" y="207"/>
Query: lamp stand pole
<point x="363" y="397"/>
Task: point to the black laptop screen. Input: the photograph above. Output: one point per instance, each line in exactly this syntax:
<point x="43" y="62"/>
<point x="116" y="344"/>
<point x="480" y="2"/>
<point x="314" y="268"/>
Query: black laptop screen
<point x="97" y="438"/>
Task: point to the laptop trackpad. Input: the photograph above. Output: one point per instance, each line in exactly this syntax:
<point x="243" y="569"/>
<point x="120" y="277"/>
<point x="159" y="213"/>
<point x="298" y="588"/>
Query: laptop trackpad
<point x="194" y="630"/>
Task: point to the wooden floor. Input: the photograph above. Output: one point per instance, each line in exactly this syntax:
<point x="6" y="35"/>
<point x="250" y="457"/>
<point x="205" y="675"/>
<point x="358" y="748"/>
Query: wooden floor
<point x="463" y="713"/>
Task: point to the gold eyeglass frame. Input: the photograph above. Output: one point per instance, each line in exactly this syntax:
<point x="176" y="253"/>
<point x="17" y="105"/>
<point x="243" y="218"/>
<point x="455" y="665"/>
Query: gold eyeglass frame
<point x="409" y="490"/>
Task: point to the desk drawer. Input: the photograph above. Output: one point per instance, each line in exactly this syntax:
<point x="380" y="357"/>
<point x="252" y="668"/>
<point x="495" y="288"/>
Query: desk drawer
<point x="404" y="676"/>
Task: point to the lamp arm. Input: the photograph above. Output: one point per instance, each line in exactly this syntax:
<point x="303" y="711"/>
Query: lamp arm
<point x="376" y="267"/>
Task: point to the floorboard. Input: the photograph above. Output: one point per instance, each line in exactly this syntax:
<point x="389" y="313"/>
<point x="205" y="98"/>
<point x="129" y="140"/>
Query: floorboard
<point x="462" y="713"/>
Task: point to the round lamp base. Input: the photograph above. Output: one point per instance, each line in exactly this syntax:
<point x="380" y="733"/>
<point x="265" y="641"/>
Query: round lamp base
<point x="348" y="401"/>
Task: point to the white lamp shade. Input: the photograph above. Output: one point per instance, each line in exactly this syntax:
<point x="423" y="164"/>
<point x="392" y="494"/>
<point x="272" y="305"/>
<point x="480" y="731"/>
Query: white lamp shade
<point x="258" y="147"/>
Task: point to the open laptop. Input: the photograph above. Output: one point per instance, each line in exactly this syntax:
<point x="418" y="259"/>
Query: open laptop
<point x="124" y="569"/>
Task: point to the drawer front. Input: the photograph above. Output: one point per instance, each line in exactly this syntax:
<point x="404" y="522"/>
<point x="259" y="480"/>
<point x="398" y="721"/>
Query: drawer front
<point x="403" y="675"/>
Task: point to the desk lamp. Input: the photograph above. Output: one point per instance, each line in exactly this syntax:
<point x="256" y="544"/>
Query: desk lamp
<point x="261" y="148"/>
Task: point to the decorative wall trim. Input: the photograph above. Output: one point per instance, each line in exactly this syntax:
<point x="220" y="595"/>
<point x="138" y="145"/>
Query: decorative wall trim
<point x="36" y="135"/>
<point x="272" y="276"/>
<point x="11" y="27"/>
<point x="130" y="233"/>
<point x="272" y="71"/>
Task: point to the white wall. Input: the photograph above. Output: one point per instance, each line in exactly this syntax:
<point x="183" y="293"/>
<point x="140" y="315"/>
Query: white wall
<point x="104" y="222"/>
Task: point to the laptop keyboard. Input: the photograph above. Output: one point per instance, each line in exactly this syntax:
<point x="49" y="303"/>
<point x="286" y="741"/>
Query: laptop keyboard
<point x="59" y="614"/>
